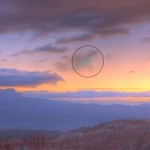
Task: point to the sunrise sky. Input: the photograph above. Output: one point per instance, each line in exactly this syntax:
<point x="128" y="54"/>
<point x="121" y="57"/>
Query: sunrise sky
<point x="39" y="37"/>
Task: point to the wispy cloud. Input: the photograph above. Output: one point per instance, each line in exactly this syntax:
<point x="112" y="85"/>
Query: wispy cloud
<point x="82" y="60"/>
<point x="42" y="49"/>
<point x="145" y="39"/>
<point x="64" y="63"/>
<point x="131" y="71"/>
<point x="50" y="49"/>
<point x="98" y="97"/>
<point x="77" y="38"/>
<point x="3" y="60"/>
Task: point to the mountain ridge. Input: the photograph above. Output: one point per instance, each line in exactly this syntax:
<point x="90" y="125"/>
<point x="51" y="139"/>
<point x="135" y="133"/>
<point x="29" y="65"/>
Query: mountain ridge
<point x="23" y="112"/>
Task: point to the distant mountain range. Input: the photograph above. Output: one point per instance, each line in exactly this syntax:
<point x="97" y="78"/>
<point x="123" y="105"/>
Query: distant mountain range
<point x="20" y="112"/>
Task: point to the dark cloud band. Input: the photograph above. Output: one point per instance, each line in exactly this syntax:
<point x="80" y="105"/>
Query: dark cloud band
<point x="13" y="77"/>
<point x="96" y="16"/>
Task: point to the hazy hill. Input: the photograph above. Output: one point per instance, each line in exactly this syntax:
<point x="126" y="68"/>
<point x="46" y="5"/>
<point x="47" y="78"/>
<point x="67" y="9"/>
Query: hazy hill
<point x="20" y="112"/>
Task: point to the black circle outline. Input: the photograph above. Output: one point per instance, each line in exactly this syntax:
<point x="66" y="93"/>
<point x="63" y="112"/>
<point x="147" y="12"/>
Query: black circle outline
<point x="100" y="68"/>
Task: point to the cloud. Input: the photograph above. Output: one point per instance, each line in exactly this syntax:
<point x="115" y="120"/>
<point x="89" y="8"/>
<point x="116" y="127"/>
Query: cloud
<point x="78" y="38"/>
<point x="145" y="39"/>
<point x="90" y="94"/>
<point x="64" y="64"/>
<point x="96" y="16"/>
<point x="50" y="49"/>
<point x="24" y="52"/>
<point x="40" y="60"/>
<point x="42" y="49"/>
<point x="108" y="55"/>
<point x="114" y="31"/>
<point x="81" y="60"/>
<point x="95" y="97"/>
<point x="131" y="71"/>
<point x="13" y="77"/>
<point x="3" y="60"/>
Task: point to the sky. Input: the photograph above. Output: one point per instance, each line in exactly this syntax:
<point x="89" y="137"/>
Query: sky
<point x="38" y="39"/>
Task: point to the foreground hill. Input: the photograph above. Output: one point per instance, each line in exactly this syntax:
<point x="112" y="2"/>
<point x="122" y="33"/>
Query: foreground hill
<point x="116" y="135"/>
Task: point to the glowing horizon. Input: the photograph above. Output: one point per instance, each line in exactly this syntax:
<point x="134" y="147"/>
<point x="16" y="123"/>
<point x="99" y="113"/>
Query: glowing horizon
<point x="44" y="47"/>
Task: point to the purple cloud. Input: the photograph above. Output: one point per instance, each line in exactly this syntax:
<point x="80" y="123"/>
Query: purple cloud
<point x="13" y="77"/>
<point x="96" y="16"/>
<point x="42" y="49"/>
